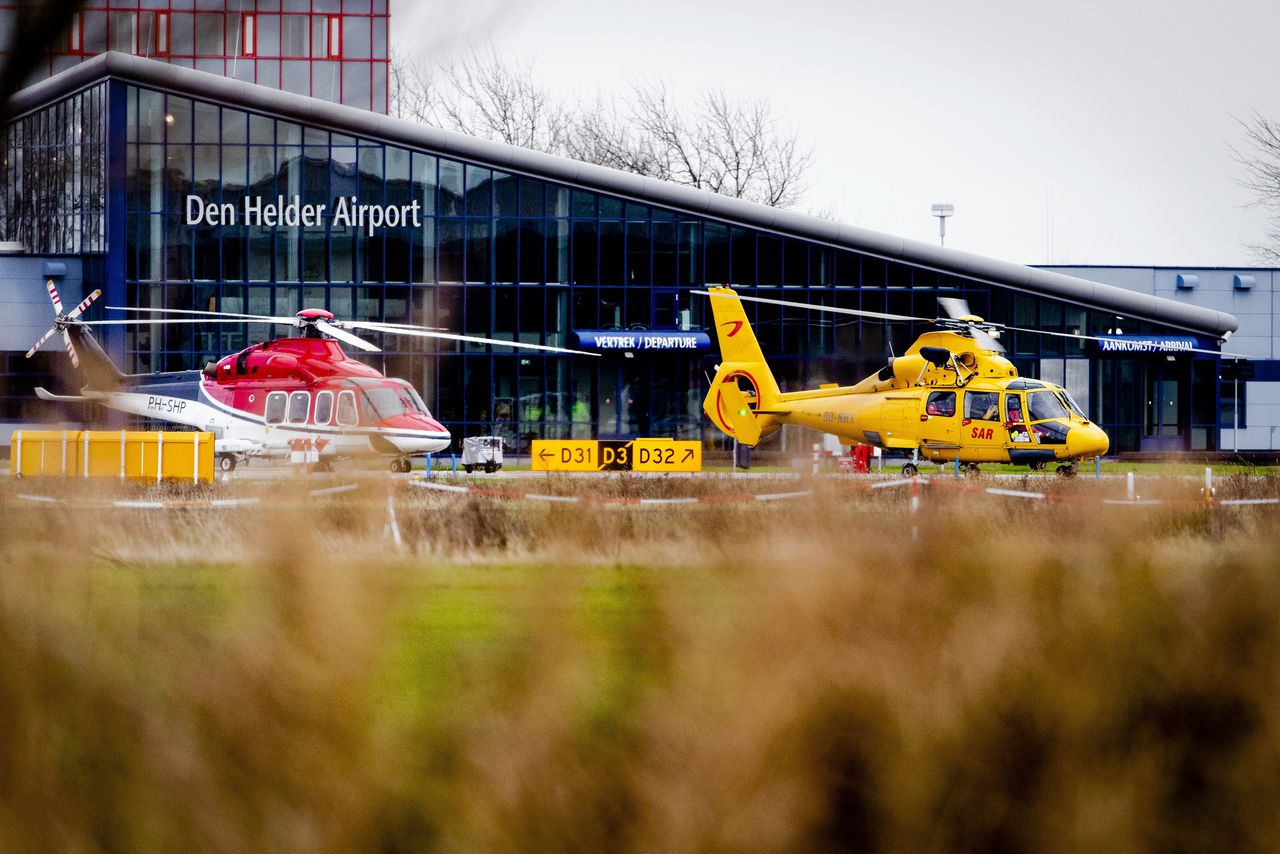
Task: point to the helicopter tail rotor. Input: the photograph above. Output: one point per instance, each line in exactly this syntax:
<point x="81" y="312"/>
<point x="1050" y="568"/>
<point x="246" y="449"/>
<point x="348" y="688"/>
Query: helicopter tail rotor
<point x="62" y="321"/>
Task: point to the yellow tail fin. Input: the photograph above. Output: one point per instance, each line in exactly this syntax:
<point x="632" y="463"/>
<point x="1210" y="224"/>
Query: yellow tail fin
<point x="743" y="385"/>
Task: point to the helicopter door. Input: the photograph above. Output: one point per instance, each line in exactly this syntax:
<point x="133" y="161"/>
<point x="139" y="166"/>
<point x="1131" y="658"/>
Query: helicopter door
<point x="982" y="429"/>
<point x="939" y="425"/>
<point x="1015" y="422"/>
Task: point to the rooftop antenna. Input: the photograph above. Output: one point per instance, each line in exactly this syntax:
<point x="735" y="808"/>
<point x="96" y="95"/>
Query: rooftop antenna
<point x="942" y="211"/>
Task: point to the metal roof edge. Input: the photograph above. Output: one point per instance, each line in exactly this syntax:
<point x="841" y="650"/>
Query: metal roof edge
<point x="590" y="176"/>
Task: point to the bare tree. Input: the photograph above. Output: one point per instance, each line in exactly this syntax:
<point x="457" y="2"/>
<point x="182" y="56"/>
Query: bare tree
<point x="480" y="95"/>
<point x="717" y="144"/>
<point x="1260" y="159"/>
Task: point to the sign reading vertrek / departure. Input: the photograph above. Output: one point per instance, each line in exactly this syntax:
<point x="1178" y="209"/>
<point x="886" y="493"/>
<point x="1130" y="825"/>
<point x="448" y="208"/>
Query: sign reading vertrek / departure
<point x="347" y="213"/>
<point x="641" y="339"/>
<point x="652" y="455"/>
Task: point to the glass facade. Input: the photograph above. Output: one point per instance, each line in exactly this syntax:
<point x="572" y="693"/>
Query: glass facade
<point x="513" y="256"/>
<point x="53" y="196"/>
<point x="510" y="256"/>
<point x="336" y="50"/>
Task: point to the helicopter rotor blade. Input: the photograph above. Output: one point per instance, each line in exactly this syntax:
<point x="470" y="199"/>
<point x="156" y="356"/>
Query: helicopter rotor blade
<point x="955" y="307"/>
<point x="53" y="296"/>
<point x="71" y="348"/>
<point x="421" y="332"/>
<point x="879" y="315"/>
<point x="985" y="339"/>
<point x="192" y="321"/>
<point x="1079" y="336"/>
<point x="84" y="303"/>
<point x="346" y="337"/>
<point x="43" y="338"/>
<point x="241" y="318"/>
<point x="386" y="325"/>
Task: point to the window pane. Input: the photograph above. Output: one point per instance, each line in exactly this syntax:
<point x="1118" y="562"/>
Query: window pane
<point x="275" y="407"/>
<point x="347" y="409"/>
<point x="209" y="34"/>
<point x="299" y="405"/>
<point x="450" y="187"/>
<point x="319" y="37"/>
<point x="182" y="34"/>
<point x="981" y="405"/>
<point x="479" y="181"/>
<point x="293" y="35"/>
<point x="324" y="407"/>
<point x="124" y="32"/>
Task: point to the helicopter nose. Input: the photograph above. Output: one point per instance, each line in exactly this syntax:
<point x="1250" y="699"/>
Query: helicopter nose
<point x="1087" y="440"/>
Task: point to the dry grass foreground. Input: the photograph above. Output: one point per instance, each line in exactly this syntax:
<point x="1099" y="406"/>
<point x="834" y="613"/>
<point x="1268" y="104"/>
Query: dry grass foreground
<point x="768" y="676"/>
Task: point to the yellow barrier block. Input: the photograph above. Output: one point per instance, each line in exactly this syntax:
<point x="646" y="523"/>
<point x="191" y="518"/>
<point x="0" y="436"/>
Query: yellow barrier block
<point x="123" y="454"/>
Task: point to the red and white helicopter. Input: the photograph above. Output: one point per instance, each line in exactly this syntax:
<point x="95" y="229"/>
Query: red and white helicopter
<point x="270" y="397"/>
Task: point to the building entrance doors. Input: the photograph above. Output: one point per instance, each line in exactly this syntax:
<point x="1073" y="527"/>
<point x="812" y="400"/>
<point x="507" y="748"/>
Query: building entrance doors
<point x="1165" y="409"/>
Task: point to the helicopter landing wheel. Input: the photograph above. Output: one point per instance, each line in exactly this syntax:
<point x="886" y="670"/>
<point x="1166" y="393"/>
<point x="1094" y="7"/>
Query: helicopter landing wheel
<point x="910" y="470"/>
<point x="401" y="465"/>
<point x="226" y="462"/>
<point x="1067" y="470"/>
<point x="1036" y="466"/>
<point x="972" y="470"/>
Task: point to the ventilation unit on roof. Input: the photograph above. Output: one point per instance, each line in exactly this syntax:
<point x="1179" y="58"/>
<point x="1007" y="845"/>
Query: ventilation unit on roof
<point x="1187" y="281"/>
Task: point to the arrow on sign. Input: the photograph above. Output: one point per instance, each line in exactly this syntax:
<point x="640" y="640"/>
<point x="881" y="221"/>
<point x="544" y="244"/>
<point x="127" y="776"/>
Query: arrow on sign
<point x="688" y="455"/>
<point x="543" y="456"/>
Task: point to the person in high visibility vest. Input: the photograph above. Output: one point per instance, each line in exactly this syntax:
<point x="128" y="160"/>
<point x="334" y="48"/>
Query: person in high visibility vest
<point x="580" y="415"/>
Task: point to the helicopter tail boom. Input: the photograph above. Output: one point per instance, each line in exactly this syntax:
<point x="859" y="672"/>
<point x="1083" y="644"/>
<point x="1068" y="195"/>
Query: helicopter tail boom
<point x="743" y="394"/>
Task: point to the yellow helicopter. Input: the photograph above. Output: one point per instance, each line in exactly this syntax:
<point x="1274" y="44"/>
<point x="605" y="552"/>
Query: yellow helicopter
<point x="951" y="395"/>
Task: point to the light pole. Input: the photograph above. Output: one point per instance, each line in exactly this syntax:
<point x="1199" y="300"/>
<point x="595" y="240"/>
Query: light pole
<point x="942" y="212"/>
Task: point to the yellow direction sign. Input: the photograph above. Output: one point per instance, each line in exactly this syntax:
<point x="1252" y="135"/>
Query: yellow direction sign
<point x="665" y="455"/>
<point x="566" y="455"/>
<point x="651" y="455"/>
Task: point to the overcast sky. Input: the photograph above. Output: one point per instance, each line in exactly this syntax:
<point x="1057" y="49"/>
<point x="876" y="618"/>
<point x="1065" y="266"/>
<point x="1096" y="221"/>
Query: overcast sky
<point x="1088" y="132"/>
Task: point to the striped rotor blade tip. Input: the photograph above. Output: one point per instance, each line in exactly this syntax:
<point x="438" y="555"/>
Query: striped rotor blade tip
<point x="71" y="348"/>
<point x="84" y="303"/>
<point x="53" y="295"/>
<point x="43" y="338"/>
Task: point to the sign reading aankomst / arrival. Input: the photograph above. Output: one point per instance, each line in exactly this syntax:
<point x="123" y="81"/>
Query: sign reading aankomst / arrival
<point x="642" y="339"/>
<point x="347" y="213"/>
<point x="1148" y="343"/>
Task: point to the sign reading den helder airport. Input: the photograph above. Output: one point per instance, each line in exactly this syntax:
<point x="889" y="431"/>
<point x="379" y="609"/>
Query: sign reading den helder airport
<point x="347" y="213"/>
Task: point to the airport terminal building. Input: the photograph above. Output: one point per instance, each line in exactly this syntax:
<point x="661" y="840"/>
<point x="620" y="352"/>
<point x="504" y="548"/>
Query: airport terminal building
<point x="151" y="181"/>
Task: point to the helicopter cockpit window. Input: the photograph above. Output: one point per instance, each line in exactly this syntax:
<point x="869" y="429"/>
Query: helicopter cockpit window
<point x="982" y="405"/>
<point x="941" y="403"/>
<point x="1013" y="408"/>
<point x="418" y="403"/>
<point x="1044" y="405"/>
<point x="347" y="415"/>
<point x="1072" y="405"/>
<point x="299" y="406"/>
<point x="277" y="401"/>
<point x="324" y="407"/>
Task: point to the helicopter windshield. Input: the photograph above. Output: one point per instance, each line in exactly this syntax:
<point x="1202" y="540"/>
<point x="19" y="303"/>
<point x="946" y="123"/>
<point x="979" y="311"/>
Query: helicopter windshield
<point x="383" y="401"/>
<point x="1075" y="408"/>
<point x="1044" y="405"/>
